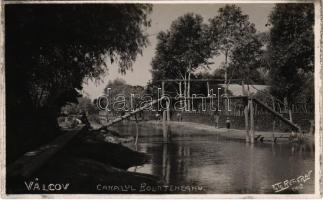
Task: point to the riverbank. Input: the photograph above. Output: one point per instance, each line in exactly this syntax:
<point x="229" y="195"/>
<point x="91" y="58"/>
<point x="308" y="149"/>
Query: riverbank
<point x="86" y="165"/>
<point x="91" y="164"/>
<point x="190" y="128"/>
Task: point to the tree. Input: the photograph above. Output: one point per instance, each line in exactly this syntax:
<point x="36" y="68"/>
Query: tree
<point x="52" y="49"/>
<point x="292" y="51"/>
<point x="245" y="59"/>
<point x="164" y="64"/>
<point x="181" y="50"/>
<point x="84" y="105"/>
<point x="229" y="29"/>
<point x="128" y="96"/>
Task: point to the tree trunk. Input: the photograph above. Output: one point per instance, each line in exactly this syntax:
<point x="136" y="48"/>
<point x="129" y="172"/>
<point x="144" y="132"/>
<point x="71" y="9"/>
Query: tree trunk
<point x="180" y="94"/>
<point x="226" y="73"/>
<point x="185" y="92"/>
<point x="188" y="90"/>
<point x="290" y="115"/>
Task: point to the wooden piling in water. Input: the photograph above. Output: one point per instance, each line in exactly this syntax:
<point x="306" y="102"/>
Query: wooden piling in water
<point x="164" y="126"/>
<point x="167" y="111"/>
<point x="252" y="122"/>
<point x="246" y="113"/>
<point x="274" y="108"/>
<point x="180" y="93"/>
<point x="243" y="88"/>
<point x="137" y="135"/>
<point x="166" y="132"/>
<point x="165" y="163"/>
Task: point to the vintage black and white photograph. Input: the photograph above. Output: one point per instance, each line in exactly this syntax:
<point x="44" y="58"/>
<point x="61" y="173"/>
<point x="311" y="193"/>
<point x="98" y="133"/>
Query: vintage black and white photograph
<point x="160" y="98"/>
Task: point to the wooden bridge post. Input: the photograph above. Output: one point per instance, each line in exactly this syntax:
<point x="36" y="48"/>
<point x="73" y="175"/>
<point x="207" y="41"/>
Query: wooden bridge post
<point x="165" y="163"/>
<point x="166" y="119"/>
<point x="164" y="126"/>
<point x="137" y="134"/>
<point x="246" y="113"/>
<point x="274" y="108"/>
<point x="243" y="88"/>
<point x="180" y="94"/>
<point x="164" y="114"/>
<point x="167" y="111"/>
<point x="188" y="93"/>
<point x="252" y="122"/>
<point x="290" y="115"/>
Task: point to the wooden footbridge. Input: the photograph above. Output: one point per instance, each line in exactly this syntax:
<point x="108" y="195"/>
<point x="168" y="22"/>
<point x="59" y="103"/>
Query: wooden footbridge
<point x="247" y="97"/>
<point x="31" y="161"/>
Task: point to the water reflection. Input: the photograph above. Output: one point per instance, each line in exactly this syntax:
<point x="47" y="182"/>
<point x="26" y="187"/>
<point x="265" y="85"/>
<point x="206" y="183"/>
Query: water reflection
<point x="224" y="166"/>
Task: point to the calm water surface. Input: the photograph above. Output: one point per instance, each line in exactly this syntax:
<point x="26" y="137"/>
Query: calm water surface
<point x="221" y="165"/>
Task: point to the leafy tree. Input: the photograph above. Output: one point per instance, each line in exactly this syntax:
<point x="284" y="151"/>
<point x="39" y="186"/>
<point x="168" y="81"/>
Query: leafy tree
<point x="218" y="73"/>
<point x="52" y="49"/>
<point x="181" y="50"/>
<point x="84" y="104"/>
<point x="229" y="30"/>
<point x="121" y="92"/>
<point x="245" y="60"/>
<point x="292" y="51"/>
<point x="164" y="64"/>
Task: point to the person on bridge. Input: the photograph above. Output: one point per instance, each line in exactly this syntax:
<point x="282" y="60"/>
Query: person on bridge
<point x="216" y="117"/>
<point x="85" y="120"/>
<point x="157" y="116"/>
<point x="179" y="116"/>
<point x="228" y="123"/>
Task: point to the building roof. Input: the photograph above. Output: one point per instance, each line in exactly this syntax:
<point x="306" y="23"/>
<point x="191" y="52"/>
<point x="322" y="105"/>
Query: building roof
<point x="236" y="89"/>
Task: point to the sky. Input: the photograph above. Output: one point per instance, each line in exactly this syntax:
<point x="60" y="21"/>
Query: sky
<point x="161" y="18"/>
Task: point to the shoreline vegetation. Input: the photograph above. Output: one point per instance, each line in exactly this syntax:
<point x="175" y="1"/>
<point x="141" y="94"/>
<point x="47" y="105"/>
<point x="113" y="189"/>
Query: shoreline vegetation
<point x="83" y="164"/>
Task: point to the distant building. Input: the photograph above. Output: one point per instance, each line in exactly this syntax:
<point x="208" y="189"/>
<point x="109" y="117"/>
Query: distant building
<point x="236" y="89"/>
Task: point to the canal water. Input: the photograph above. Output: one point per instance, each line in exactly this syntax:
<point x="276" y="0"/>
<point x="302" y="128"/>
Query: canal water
<point x="220" y="165"/>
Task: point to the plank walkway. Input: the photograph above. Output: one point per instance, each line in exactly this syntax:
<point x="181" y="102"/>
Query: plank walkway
<point x="130" y="114"/>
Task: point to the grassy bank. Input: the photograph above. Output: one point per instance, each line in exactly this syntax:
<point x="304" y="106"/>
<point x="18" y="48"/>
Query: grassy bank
<point x="86" y="164"/>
